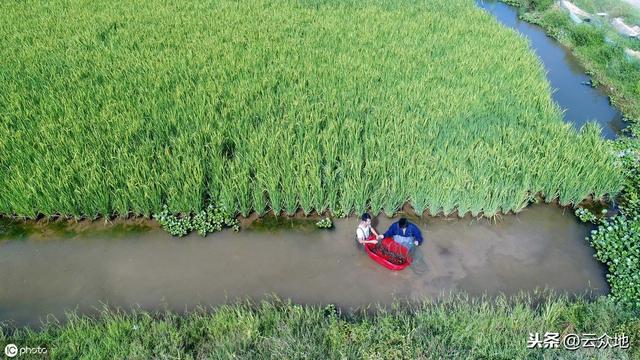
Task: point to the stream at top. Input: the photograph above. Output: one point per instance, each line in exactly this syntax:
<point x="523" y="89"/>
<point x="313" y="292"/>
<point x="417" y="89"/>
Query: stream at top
<point x="580" y="101"/>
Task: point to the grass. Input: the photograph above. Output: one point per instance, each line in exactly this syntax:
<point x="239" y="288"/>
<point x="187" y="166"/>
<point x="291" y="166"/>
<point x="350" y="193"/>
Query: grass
<point x="453" y="328"/>
<point x="258" y="105"/>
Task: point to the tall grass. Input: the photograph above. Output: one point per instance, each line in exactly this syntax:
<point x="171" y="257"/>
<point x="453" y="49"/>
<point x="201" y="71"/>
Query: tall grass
<point x="454" y="328"/>
<point x="257" y="105"/>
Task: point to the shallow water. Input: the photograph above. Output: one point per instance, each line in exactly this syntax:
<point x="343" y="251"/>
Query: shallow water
<point x="540" y="247"/>
<point x="581" y="103"/>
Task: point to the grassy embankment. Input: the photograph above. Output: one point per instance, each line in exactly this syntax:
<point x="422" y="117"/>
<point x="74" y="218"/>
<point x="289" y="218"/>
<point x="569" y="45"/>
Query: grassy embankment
<point x="260" y="105"/>
<point x="456" y="328"/>
<point x="601" y="51"/>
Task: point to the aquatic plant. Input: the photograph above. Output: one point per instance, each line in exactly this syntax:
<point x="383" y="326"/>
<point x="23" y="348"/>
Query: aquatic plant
<point x="617" y="239"/>
<point x="325" y="223"/>
<point x="280" y="105"/>
<point x="173" y="224"/>
<point x="617" y="244"/>
<point x="212" y="219"/>
<point x="586" y="215"/>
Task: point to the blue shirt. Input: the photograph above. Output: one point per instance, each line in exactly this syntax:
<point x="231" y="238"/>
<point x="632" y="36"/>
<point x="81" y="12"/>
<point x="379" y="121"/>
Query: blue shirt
<point x="411" y="230"/>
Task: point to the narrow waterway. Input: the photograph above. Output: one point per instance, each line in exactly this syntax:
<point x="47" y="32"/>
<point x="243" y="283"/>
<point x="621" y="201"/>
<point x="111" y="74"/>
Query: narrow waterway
<point x="540" y="247"/>
<point x="580" y="101"/>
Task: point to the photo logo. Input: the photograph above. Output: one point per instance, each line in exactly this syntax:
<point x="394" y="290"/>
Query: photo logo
<point x="11" y="350"/>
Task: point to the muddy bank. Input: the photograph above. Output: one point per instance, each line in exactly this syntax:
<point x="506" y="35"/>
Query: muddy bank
<point x="59" y="226"/>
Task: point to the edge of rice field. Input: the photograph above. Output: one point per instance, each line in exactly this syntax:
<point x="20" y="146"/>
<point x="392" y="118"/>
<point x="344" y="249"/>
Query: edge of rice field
<point x="42" y="227"/>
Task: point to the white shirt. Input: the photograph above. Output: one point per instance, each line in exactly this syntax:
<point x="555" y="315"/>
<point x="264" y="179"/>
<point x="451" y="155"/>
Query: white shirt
<point x="363" y="233"/>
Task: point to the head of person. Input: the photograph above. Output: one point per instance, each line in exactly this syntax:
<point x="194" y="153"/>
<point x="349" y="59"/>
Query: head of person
<point x="366" y="218"/>
<point x="403" y="223"/>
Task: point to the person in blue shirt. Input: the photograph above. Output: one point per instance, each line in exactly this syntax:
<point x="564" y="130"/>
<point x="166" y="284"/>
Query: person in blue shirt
<point x="404" y="233"/>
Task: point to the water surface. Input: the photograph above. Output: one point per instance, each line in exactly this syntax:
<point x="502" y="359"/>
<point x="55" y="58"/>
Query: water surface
<point x="540" y="247"/>
<point x="581" y="102"/>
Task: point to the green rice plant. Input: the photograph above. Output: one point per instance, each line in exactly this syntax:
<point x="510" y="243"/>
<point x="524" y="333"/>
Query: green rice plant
<point x="280" y="105"/>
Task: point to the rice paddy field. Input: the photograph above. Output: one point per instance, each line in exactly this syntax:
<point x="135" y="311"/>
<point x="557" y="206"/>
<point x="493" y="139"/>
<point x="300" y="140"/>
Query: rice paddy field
<point x="121" y="107"/>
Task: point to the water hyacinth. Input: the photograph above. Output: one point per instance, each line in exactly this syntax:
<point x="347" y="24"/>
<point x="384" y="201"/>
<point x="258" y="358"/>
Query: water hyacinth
<point x="280" y="105"/>
<point x="212" y="219"/>
<point x="325" y="223"/>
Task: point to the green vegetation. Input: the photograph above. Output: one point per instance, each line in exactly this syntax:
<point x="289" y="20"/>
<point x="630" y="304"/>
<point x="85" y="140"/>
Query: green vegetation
<point x="325" y="223"/>
<point x="614" y="8"/>
<point x="617" y="244"/>
<point x="617" y="239"/>
<point x="13" y="230"/>
<point x="270" y="223"/>
<point x="212" y="219"/>
<point x="598" y="47"/>
<point x="454" y="328"/>
<point x="258" y="105"/>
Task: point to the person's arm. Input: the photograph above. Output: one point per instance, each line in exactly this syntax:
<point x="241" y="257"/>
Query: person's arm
<point x="374" y="232"/>
<point x="417" y="234"/>
<point x="391" y="231"/>
<point x="361" y="238"/>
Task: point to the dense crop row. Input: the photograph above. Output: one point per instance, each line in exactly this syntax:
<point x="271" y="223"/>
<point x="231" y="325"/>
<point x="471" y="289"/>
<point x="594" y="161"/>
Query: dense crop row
<point x="455" y="327"/>
<point x="123" y="106"/>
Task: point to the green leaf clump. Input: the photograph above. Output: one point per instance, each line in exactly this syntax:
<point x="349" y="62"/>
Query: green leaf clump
<point x="212" y="219"/>
<point x="617" y="239"/>
<point x="325" y="223"/>
<point x="617" y="244"/>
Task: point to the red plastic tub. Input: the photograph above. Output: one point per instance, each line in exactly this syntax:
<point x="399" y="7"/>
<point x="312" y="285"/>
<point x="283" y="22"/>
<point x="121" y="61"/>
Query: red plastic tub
<point x="391" y="246"/>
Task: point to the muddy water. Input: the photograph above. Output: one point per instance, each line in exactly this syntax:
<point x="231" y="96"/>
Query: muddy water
<point x="541" y="247"/>
<point x="581" y="103"/>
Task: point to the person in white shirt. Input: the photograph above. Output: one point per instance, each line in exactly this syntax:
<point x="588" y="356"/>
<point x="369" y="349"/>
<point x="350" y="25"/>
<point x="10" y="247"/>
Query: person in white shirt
<point x="364" y="231"/>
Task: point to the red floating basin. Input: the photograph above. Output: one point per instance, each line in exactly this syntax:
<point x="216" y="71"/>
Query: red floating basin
<point x="385" y="259"/>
